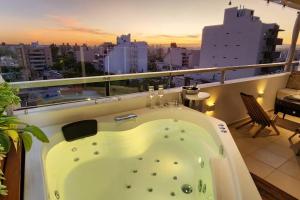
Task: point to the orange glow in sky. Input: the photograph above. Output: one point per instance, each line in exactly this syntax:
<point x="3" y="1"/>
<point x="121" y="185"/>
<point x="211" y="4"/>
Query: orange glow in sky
<point x="98" y="21"/>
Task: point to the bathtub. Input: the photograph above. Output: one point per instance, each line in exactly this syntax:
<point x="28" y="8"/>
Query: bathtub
<point x="165" y="153"/>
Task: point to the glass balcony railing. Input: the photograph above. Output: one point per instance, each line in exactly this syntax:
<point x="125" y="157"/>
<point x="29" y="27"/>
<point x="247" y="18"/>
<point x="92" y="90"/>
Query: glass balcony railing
<point x="58" y="91"/>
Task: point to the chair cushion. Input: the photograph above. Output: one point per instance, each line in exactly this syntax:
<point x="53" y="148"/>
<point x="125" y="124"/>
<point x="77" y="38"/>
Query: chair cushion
<point x="294" y="81"/>
<point x="294" y="97"/>
<point x="282" y="93"/>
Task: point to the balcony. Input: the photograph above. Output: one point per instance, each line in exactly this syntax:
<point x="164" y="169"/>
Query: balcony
<point x="269" y="158"/>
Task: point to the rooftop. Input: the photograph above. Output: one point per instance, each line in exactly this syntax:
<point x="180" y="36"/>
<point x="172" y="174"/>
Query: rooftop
<point x="131" y="128"/>
<point x="270" y="157"/>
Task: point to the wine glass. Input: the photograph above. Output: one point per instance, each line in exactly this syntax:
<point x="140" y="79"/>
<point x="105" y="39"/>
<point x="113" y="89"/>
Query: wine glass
<point x="151" y="95"/>
<point x="160" y="94"/>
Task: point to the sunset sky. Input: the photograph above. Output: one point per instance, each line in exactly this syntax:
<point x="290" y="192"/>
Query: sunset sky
<point x="96" y="21"/>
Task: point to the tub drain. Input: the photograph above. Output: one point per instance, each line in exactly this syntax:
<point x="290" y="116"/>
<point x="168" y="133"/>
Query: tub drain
<point x="94" y="143"/>
<point x="56" y="193"/>
<point x="187" y="189"/>
<point x="128" y="186"/>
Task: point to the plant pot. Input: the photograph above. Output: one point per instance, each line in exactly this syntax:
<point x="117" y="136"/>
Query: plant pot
<point x="12" y="167"/>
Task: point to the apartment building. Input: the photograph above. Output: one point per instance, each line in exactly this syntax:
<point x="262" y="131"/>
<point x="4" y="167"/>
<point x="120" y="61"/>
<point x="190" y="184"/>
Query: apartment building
<point x="11" y="66"/>
<point x="35" y="57"/>
<point x="181" y="58"/>
<point x="242" y="39"/>
<point x="127" y="56"/>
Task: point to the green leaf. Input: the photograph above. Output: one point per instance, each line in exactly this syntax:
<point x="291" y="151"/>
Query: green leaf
<point x="8" y="96"/>
<point x="27" y="140"/>
<point x="14" y="135"/>
<point x="4" y="120"/>
<point x="37" y="132"/>
<point x="5" y="142"/>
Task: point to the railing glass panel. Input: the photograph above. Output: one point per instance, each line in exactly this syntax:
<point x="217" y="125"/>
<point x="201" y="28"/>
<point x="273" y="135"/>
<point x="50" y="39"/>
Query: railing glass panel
<point x="49" y="92"/>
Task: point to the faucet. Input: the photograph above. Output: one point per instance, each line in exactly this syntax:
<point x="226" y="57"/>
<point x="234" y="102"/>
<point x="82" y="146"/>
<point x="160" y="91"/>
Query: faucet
<point x="125" y="117"/>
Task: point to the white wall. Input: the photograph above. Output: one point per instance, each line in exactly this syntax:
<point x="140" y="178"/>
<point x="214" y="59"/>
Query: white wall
<point x="237" y="42"/>
<point x="122" y="57"/>
<point x="228" y="104"/>
<point x="142" y="57"/>
<point x="174" y="57"/>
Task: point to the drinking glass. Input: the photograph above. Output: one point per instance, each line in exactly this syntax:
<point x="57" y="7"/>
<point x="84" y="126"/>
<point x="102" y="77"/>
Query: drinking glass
<point x="160" y="94"/>
<point x="151" y="95"/>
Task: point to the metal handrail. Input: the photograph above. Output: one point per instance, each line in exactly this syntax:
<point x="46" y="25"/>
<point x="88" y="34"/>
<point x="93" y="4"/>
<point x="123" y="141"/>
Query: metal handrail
<point x="119" y="77"/>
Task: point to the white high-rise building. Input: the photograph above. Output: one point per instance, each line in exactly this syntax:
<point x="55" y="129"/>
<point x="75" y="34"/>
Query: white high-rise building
<point x="241" y="40"/>
<point x="127" y="57"/>
<point x="181" y="58"/>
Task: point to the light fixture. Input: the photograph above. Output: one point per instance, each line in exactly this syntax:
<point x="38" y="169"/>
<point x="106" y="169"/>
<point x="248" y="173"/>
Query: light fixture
<point x="260" y="94"/>
<point x="210" y="107"/>
<point x="230" y="3"/>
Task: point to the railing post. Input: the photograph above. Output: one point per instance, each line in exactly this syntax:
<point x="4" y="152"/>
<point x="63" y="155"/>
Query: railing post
<point x="170" y="80"/>
<point x="291" y="54"/>
<point x="26" y="105"/>
<point x="222" y="77"/>
<point x="107" y="88"/>
<point x="10" y="111"/>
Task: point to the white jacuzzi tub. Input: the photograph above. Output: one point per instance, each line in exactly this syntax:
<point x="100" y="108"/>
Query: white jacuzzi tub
<point x="165" y="153"/>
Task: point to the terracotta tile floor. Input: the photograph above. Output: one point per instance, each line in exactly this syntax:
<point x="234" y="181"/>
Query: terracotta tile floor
<point x="270" y="156"/>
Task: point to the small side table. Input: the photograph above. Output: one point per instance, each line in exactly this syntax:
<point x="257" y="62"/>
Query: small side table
<point x="287" y="106"/>
<point x="200" y="97"/>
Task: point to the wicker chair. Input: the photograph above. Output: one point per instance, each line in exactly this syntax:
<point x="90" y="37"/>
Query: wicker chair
<point x="257" y="114"/>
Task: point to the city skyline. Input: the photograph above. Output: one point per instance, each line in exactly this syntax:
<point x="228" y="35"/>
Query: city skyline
<point x="95" y="22"/>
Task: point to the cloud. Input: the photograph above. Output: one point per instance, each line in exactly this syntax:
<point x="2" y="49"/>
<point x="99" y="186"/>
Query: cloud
<point x="81" y="29"/>
<point x="73" y="25"/>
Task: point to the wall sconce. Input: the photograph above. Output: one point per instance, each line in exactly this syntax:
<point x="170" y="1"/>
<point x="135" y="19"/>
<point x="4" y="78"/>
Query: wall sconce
<point x="260" y="95"/>
<point x="210" y="107"/>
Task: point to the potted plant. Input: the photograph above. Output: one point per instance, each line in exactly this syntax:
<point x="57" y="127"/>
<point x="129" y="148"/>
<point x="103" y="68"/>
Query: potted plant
<point x="13" y="132"/>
